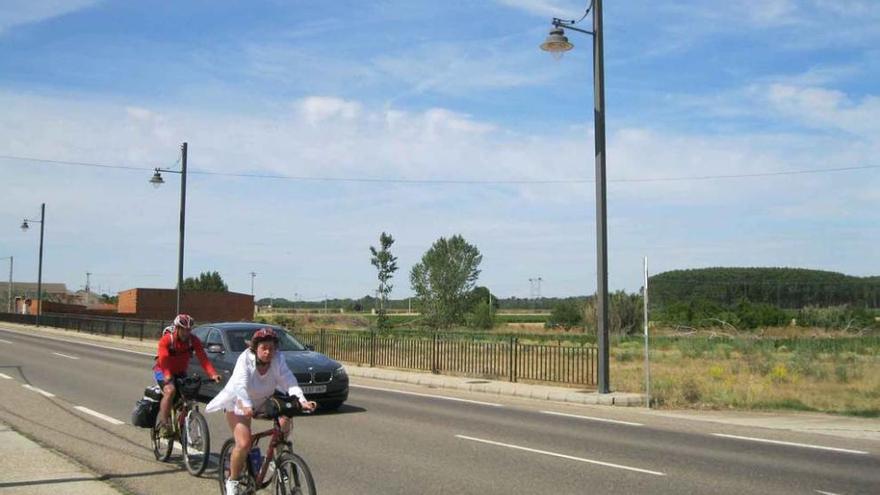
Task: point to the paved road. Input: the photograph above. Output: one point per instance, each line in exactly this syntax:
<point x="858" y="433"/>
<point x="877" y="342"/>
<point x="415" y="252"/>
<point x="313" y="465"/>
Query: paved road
<point x="399" y="439"/>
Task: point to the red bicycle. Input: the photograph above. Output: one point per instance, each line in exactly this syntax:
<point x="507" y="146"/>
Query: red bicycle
<point x="290" y="472"/>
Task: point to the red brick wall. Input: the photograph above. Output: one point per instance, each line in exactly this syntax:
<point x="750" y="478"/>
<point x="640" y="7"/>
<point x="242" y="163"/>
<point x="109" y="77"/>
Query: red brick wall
<point x="160" y="304"/>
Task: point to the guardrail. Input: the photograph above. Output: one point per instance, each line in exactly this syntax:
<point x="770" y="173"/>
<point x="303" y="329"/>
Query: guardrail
<point x="102" y="325"/>
<point x="464" y="355"/>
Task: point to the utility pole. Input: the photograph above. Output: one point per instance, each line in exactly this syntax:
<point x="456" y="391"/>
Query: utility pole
<point x="253" y="274"/>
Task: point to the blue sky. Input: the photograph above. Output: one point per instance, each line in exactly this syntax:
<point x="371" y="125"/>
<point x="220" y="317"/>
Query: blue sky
<point x="436" y="91"/>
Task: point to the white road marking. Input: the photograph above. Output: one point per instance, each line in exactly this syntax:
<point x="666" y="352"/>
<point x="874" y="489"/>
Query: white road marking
<point x="5" y="341"/>
<point x="825" y="493"/>
<point x="151" y="354"/>
<point x="5" y="377"/>
<point x="428" y="395"/>
<point x="591" y="418"/>
<point x="39" y="391"/>
<point x="65" y="355"/>
<point x="792" y="444"/>
<point x="99" y="415"/>
<point x="563" y="456"/>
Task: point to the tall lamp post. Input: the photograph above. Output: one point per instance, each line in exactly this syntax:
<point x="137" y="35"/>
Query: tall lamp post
<point x="25" y="227"/>
<point x="557" y="44"/>
<point x="157" y="181"/>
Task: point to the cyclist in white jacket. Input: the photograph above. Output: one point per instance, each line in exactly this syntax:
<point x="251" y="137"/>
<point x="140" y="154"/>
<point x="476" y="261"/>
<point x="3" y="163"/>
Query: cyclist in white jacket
<point x="257" y="375"/>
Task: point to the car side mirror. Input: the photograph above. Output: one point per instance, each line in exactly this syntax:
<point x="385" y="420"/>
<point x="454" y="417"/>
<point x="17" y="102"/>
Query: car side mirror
<point x="215" y="348"/>
<point x="310" y="347"/>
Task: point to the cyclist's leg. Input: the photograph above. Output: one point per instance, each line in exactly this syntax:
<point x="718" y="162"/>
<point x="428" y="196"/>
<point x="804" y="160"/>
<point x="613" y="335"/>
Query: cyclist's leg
<point x="167" y="400"/>
<point x="285" y="423"/>
<point x="241" y="432"/>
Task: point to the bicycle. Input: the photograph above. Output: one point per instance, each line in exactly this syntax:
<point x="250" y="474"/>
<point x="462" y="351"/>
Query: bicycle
<point x="189" y="428"/>
<point x="290" y="472"/>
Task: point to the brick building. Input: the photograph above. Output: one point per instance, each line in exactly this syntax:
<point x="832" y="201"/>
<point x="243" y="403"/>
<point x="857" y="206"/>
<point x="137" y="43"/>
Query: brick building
<point x="161" y="304"/>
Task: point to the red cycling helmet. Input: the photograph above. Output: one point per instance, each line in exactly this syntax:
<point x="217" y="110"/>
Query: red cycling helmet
<point x="262" y="335"/>
<point x="185" y="321"/>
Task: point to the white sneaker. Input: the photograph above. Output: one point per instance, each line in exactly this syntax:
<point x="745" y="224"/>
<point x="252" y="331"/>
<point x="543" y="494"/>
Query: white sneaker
<point x="232" y="486"/>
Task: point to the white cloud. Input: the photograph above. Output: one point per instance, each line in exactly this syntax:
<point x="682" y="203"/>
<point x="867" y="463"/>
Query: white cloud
<point x="523" y="229"/>
<point x="20" y="12"/>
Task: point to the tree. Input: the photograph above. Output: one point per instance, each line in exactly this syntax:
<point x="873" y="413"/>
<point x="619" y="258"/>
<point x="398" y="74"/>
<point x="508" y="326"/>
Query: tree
<point x="443" y="279"/>
<point x="206" y="281"/>
<point x="386" y="264"/>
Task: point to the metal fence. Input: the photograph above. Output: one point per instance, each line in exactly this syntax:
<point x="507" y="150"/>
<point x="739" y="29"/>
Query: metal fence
<point x="462" y="355"/>
<point x="126" y="328"/>
<point x="467" y="355"/>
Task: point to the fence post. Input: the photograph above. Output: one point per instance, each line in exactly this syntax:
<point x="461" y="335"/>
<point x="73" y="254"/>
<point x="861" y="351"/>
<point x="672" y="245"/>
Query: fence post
<point x="515" y="354"/>
<point x="141" y="334"/>
<point x="123" y="329"/>
<point x="434" y="367"/>
<point x="510" y="357"/>
<point x="323" y="342"/>
<point x="372" y="348"/>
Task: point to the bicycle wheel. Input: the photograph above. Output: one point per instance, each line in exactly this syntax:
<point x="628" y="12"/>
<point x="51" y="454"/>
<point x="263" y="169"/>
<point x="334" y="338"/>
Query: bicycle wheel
<point x="195" y="441"/>
<point x="281" y="448"/>
<point x="161" y="446"/>
<point x="293" y="476"/>
<point x="247" y="478"/>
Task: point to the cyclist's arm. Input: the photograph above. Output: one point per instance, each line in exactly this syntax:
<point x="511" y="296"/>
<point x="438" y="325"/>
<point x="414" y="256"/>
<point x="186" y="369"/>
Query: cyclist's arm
<point x="239" y="380"/>
<point x="203" y="358"/>
<point x="164" y="357"/>
<point x="287" y="378"/>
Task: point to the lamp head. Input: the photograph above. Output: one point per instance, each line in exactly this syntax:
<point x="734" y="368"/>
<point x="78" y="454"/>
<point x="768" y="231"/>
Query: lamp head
<point x="24" y="226"/>
<point x="157" y="179"/>
<point x="556" y="43"/>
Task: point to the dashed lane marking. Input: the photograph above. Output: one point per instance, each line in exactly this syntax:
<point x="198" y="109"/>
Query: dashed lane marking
<point x="792" y="444"/>
<point x="38" y="390"/>
<point x="5" y="377"/>
<point x="404" y="392"/>
<point x="99" y="415"/>
<point x="65" y="355"/>
<point x="591" y="418"/>
<point x="562" y="456"/>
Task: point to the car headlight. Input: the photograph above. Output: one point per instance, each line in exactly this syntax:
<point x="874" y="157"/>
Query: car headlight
<point x="340" y="372"/>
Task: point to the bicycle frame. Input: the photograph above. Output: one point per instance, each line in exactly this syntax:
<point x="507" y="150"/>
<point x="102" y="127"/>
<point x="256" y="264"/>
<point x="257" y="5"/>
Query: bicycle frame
<point x="277" y="437"/>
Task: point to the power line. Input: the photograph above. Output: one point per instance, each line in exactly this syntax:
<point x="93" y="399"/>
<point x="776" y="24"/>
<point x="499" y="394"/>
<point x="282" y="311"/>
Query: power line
<point x="450" y="181"/>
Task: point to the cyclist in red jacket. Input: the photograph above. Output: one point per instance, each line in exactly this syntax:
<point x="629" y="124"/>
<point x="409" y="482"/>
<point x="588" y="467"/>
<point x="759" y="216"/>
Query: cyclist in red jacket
<point x="175" y="349"/>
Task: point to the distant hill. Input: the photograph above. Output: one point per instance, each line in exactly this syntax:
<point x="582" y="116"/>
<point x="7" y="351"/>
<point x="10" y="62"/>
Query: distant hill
<point x="782" y="287"/>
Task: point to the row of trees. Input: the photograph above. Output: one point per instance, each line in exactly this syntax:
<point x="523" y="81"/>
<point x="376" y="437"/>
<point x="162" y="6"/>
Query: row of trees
<point x="789" y="288"/>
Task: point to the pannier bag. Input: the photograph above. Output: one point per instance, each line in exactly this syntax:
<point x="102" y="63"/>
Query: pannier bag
<point x="146" y="409"/>
<point x="144" y="413"/>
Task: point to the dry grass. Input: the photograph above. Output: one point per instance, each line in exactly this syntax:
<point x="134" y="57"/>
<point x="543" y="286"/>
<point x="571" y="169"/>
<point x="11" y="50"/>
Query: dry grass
<point x="744" y="376"/>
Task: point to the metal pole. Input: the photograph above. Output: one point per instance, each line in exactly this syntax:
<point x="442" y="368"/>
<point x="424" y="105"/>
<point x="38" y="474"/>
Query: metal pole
<point x="9" y="303"/>
<point x="647" y="361"/>
<point x="182" y="223"/>
<point x="601" y="227"/>
<point x="253" y="274"/>
<point x="40" y="266"/>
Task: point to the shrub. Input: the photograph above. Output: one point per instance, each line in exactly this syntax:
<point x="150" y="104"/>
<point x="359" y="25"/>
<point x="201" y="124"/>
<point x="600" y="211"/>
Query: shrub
<point x="566" y="314"/>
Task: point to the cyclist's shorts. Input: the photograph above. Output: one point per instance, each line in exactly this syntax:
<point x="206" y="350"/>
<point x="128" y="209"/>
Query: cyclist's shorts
<point x="160" y="377"/>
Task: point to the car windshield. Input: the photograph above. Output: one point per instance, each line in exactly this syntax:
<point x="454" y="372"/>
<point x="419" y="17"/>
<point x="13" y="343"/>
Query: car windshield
<point x="239" y="338"/>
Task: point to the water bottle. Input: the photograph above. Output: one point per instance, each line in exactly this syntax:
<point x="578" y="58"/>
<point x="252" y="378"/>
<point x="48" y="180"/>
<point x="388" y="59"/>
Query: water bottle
<point x="256" y="460"/>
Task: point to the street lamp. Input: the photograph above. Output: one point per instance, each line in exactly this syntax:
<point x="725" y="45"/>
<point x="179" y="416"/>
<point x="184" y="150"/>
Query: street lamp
<point x="557" y="43"/>
<point x="25" y="227"/>
<point x="157" y="181"/>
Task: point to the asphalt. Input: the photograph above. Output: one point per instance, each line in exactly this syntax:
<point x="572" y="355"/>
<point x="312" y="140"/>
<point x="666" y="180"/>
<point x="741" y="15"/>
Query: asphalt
<point x="27" y="467"/>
